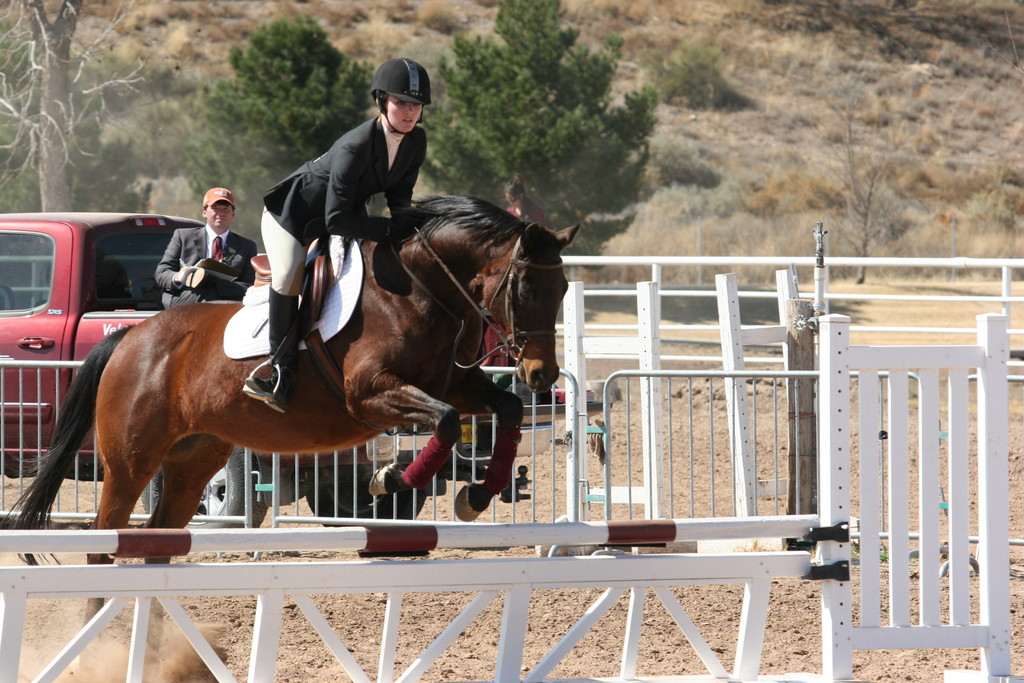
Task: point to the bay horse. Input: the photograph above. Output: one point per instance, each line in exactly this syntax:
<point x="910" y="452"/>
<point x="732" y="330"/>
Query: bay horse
<point x="163" y="394"/>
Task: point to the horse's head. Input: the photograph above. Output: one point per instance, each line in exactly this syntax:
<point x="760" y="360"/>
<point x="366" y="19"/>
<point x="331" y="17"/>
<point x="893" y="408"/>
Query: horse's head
<point x="535" y="287"/>
<point x="515" y="268"/>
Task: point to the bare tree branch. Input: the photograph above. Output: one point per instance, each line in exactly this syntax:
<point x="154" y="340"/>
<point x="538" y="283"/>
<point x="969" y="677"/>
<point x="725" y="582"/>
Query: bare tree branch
<point x="871" y="216"/>
<point x="39" y="108"/>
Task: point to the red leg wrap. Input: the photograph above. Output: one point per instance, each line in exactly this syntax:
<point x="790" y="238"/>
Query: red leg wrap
<point x="420" y="471"/>
<point x="503" y="458"/>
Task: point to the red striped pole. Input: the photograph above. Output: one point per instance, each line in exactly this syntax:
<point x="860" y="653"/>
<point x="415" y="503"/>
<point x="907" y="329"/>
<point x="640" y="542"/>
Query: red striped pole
<point x="144" y="543"/>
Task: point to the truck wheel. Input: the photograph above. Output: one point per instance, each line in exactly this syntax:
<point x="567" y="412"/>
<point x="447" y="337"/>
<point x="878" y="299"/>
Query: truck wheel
<point x="224" y="495"/>
<point x="404" y="505"/>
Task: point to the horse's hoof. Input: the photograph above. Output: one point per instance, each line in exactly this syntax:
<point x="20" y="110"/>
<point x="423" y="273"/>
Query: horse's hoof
<point x="471" y="501"/>
<point x="388" y="479"/>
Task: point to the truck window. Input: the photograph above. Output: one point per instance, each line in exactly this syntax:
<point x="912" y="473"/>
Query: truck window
<point x="125" y="264"/>
<point x="26" y="271"/>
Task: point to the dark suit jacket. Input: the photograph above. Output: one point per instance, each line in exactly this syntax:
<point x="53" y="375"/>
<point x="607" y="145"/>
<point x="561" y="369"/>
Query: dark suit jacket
<point x="188" y="247"/>
<point x="329" y="193"/>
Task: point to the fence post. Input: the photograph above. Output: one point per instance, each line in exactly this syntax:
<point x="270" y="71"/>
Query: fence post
<point x="743" y="460"/>
<point x="803" y="440"/>
<point x="993" y="493"/>
<point x="575" y="363"/>
<point x="834" y="507"/>
<point x="648" y="312"/>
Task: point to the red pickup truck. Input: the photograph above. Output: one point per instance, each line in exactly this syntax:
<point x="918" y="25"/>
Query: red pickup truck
<point x="67" y="281"/>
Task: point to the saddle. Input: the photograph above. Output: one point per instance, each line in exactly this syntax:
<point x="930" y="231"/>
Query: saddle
<point x="316" y="284"/>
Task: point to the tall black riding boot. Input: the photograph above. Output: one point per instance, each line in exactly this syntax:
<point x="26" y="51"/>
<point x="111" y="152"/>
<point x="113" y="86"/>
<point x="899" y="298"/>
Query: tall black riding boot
<point x="275" y="388"/>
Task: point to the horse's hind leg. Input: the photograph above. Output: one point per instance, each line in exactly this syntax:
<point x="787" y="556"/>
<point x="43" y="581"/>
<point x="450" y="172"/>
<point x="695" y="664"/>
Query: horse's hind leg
<point x="123" y="482"/>
<point x="184" y="479"/>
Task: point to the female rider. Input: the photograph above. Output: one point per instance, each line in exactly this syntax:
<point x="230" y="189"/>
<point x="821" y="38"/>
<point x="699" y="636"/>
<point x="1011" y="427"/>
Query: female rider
<point x="328" y="195"/>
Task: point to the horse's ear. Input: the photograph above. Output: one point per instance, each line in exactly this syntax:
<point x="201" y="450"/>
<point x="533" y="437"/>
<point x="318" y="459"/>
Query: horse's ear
<point x="535" y="231"/>
<point x="528" y="240"/>
<point x="568" y="235"/>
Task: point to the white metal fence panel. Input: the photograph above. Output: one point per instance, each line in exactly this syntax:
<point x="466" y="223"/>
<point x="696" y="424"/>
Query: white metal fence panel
<point x="698" y="480"/>
<point x="324" y="488"/>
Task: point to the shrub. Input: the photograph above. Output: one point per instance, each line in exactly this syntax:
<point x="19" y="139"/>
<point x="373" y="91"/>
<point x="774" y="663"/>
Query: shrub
<point x="675" y="161"/>
<point x="793" y="192"/>
<point x="991" y="209"/>
<point x="439" y="15"/>
<point x="689" y="76"/>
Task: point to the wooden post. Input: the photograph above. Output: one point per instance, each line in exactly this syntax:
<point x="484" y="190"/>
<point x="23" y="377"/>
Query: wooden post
<point x="803" y="431"/>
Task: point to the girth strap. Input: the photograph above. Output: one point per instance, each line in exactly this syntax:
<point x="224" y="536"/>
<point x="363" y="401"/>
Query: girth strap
<point x="330" y="374"/>
<point x="327" y="369"/>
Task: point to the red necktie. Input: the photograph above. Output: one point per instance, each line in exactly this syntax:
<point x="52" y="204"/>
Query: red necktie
<point x="217" y="252"/>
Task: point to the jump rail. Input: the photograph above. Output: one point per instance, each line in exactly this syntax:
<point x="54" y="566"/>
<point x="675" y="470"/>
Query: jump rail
<point x="515" y="579"/>
<point x="150" y="543"/>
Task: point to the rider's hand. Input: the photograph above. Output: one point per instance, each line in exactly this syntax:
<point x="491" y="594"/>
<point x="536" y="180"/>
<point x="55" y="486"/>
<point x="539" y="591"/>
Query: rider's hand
<point x="400" y="228"/>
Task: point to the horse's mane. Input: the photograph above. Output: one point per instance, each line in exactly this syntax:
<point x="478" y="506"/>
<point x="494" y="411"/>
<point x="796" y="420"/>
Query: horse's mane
<point x="487" y="221"/>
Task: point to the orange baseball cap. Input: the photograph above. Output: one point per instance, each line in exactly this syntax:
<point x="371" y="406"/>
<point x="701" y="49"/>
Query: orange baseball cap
<point x="218" y="194"/>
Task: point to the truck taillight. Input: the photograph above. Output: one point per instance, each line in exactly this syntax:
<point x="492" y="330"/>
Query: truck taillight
<point x="143" y="221"/>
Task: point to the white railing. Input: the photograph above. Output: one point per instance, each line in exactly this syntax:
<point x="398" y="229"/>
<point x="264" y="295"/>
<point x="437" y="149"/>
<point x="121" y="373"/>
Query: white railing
<point x="981" y="620"/>
<point x="996" y="273"/>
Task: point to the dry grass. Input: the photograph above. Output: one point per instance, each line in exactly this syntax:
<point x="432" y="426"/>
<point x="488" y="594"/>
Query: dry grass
<point x="440" y="16"/>
<point x="936" y="77"/>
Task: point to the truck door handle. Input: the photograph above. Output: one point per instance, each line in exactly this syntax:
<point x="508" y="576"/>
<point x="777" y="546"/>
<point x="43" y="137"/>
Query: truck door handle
<point x="36" y="343"/>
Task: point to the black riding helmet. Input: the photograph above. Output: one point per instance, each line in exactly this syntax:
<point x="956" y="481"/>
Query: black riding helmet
<point x="403" y="79"/>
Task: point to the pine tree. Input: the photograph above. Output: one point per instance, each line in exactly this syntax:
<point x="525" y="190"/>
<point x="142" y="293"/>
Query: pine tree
<point x="292" y="95"/>
<point x="535" y="103"/>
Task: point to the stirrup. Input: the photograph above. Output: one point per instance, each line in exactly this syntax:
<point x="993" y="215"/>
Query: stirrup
<point x="259" y="387"/>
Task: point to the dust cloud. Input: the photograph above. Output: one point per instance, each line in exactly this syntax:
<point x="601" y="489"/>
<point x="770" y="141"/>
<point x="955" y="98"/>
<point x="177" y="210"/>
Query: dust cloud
<point x="106" y="659"/>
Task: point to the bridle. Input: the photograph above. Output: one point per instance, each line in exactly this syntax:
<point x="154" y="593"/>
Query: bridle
<point x="509" y="282"/>
<point x="509" y="279"/>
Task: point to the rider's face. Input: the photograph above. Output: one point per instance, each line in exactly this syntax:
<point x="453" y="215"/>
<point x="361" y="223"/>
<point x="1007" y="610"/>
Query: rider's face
<point x="403" y="115"/>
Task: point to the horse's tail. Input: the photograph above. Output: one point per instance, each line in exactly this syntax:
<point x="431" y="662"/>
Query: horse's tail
<point x="73" y="424"/>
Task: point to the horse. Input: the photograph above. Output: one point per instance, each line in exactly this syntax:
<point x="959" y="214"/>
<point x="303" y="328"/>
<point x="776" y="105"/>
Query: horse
<point x="163" y="396"/>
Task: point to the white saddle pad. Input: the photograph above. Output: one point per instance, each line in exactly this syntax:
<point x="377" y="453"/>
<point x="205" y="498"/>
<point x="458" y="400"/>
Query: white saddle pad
<point x="247" y="334"/>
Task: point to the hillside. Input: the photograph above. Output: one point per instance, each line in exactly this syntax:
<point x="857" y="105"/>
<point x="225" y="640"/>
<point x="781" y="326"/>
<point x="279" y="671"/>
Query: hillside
<point x="929" y="93"/>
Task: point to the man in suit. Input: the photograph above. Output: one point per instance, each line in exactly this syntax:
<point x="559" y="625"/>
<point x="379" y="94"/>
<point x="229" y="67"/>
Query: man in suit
<point x="328" y="195"/>
<point x="177" y="274"/>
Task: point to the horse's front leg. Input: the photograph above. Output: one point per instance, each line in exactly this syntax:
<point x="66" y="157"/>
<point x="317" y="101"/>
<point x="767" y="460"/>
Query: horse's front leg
<point x="475" y="498"/>
<point x="393" y="402"/>
<point x="404" y="404"/>
<point x="476" y="392"/>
